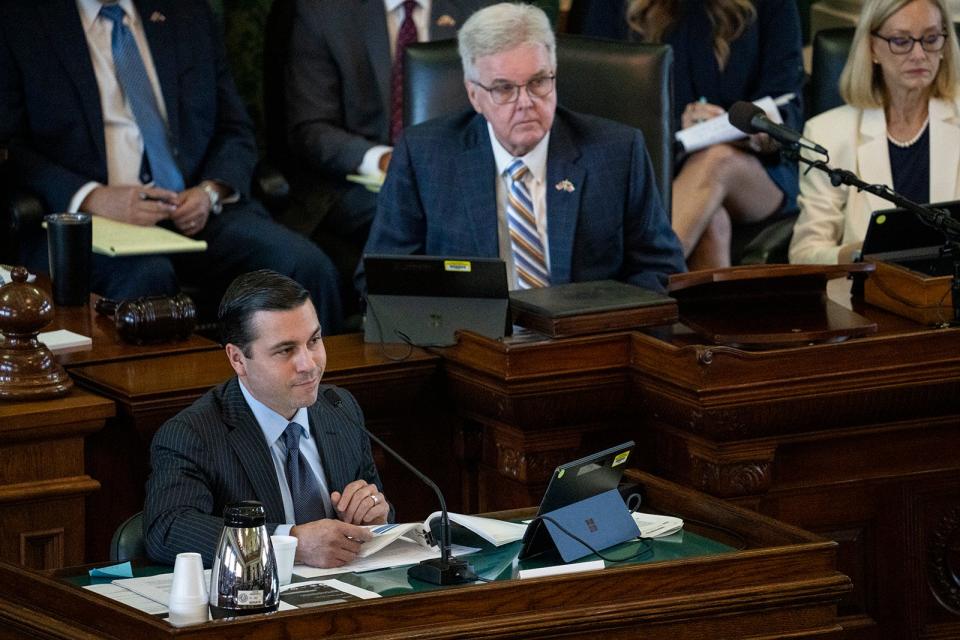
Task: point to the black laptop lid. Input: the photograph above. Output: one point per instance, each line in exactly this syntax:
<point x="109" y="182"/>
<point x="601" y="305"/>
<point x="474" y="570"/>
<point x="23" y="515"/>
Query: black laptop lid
<point x="572" y="482"/>
<point x="435" y="276"/>
<point x="586" y="477"/>
<point x="898" y="229"/>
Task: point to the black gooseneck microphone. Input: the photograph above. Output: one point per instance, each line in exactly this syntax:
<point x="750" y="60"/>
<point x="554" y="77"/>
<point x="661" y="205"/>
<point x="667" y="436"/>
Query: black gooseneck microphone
<point x="445" y="569"/>
<point x="750" y="119"/>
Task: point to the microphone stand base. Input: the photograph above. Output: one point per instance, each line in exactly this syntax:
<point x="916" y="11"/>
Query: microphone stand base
<point x="436" y="571"/>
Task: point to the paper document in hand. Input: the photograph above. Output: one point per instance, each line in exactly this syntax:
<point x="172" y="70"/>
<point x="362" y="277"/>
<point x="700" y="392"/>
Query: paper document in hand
<point x="112" y="238"/>
<point x="496" y="532"/>
<point x="384" y="534"/>
<point x="719" y="130"/>
<point x="401" y="552"/>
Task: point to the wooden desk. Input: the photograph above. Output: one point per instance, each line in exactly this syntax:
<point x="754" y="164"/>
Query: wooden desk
<point x="858" y="441"/>
<point x="43" y="480"/>
<point x="783" y="584"/>
<point x="400" y="401"/>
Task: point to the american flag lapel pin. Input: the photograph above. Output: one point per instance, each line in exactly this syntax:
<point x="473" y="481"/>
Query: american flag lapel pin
<point x="565" y="185"/>
<point x="156" y="16"/>
<point x="446" y="20"/>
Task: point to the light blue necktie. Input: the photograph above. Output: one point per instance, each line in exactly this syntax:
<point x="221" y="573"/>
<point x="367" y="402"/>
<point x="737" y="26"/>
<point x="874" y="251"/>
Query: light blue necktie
<point x="310" y="500"/>
<point x="135" y="83"/>
<point x="529" y="257"/>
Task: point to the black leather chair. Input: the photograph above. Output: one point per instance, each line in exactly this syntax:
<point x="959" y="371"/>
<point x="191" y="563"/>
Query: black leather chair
<point x="830" y="50"/>
<point x="627" y="82"/>
<point x="127" y="542"/>
<point x="20" y="213"/>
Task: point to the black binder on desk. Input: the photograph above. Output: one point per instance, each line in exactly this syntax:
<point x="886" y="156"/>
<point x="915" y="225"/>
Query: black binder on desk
<point x="590" y="307"/>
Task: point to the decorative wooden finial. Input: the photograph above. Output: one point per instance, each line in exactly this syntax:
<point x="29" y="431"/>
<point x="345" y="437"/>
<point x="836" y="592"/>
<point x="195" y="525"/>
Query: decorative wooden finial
<point x="28" y="369"/>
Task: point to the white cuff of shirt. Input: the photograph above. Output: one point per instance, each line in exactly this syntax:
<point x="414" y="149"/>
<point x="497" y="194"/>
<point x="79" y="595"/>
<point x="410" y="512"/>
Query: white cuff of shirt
<point x="283" y="529"/>
<point x="81" y="195"/>
<point x="371" y="160"/>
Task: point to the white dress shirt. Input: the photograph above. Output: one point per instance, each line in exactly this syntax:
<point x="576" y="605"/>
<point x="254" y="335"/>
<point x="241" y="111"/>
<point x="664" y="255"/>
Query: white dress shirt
<point x="536" y="161"/>
<point x="124" y="143"/>
<point x="370" y="165"/>
<point x="273" y="425"/>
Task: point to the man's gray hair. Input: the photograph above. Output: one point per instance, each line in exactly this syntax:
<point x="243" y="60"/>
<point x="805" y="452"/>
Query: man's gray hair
<point x="502" y="27"/>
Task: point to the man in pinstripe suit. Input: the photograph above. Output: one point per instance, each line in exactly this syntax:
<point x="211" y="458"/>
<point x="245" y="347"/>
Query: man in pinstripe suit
<point x="233" y="443"/>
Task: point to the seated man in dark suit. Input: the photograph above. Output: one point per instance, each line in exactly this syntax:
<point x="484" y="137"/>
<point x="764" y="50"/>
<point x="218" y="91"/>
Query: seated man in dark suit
<point x="560" y="196"/>
<point x="264" y="435"/>
<point x="129" y="113"/>
<point x="344" y="104"/>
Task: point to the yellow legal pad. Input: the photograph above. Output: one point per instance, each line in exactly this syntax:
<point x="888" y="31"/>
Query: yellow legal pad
<point x="112" y="238"/>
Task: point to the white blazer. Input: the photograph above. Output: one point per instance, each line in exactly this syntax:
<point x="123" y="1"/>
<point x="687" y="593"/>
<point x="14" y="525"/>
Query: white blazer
<point x="857" y="139"/>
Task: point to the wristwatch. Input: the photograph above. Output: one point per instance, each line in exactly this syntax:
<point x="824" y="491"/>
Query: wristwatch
<point x="215" y="205"/>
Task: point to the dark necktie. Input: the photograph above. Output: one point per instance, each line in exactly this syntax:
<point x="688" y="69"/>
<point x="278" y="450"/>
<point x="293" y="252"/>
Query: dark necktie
<point x="133" y="79"/>
<point x="310" y="500"/>
<point x="407" y="35"/>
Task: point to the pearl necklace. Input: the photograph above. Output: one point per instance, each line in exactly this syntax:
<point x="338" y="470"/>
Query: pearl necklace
<point x="913" y="140"/>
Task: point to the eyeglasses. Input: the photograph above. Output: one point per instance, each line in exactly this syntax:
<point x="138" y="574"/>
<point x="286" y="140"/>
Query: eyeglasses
<point x="900" y="45"/>
<point x="507" y="92"/>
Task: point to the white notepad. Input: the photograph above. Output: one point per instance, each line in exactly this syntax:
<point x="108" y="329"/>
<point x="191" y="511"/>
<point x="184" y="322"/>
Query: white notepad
<point x="63" y="341"/>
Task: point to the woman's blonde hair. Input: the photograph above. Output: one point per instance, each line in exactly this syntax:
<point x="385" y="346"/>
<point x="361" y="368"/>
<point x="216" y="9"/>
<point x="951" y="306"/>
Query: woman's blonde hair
<point x="653" y="18"/>
<point x="861" y="83"/>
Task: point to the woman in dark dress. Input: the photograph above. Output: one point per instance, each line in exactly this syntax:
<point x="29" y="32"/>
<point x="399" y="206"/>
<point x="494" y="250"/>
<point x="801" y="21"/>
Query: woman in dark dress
<point x="724" y="51"/>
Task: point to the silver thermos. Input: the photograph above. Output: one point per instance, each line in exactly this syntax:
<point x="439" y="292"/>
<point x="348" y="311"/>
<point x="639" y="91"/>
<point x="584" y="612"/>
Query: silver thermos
<point x="244" y="578"/>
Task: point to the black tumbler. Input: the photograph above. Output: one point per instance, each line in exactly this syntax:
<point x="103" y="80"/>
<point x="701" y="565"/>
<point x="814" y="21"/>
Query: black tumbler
<point x="69" y="240"/>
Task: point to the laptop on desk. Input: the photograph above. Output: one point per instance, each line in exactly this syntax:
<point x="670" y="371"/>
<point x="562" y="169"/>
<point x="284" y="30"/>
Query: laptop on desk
<point x="894" y="230"/>
<point x="579" y="498"/>
<point x="424" y="300"/>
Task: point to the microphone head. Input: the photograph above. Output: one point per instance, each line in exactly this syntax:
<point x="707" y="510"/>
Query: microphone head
<point x="741" y="115"/>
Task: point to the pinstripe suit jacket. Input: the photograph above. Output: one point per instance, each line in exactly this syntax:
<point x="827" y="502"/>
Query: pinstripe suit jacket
<point x="214" y="453"/>
<point x="439" y="198"/>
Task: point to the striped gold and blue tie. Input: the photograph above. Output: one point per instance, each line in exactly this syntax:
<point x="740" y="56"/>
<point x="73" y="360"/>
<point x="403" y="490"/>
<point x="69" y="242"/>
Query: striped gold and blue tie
<point x="529" y="257"/>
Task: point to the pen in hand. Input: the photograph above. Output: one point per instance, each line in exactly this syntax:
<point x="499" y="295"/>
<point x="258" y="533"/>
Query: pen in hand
<point x="146" y="196"/>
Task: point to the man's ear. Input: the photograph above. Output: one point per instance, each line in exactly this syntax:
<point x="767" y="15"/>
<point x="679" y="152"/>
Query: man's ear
<point x="237" y="360"/>
<point x="473" y="95"/>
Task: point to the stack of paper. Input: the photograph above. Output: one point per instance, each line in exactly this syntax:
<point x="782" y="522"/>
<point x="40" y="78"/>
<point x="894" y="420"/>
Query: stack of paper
<point x="656" y="526"/>
<point x="63" y="341"/>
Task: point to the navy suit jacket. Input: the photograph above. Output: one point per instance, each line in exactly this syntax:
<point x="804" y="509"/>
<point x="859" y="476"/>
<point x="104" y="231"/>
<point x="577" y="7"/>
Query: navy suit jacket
<point x="439" y="198"/>
<point x="213" y="453"/>
<point x="50" y="113"/>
